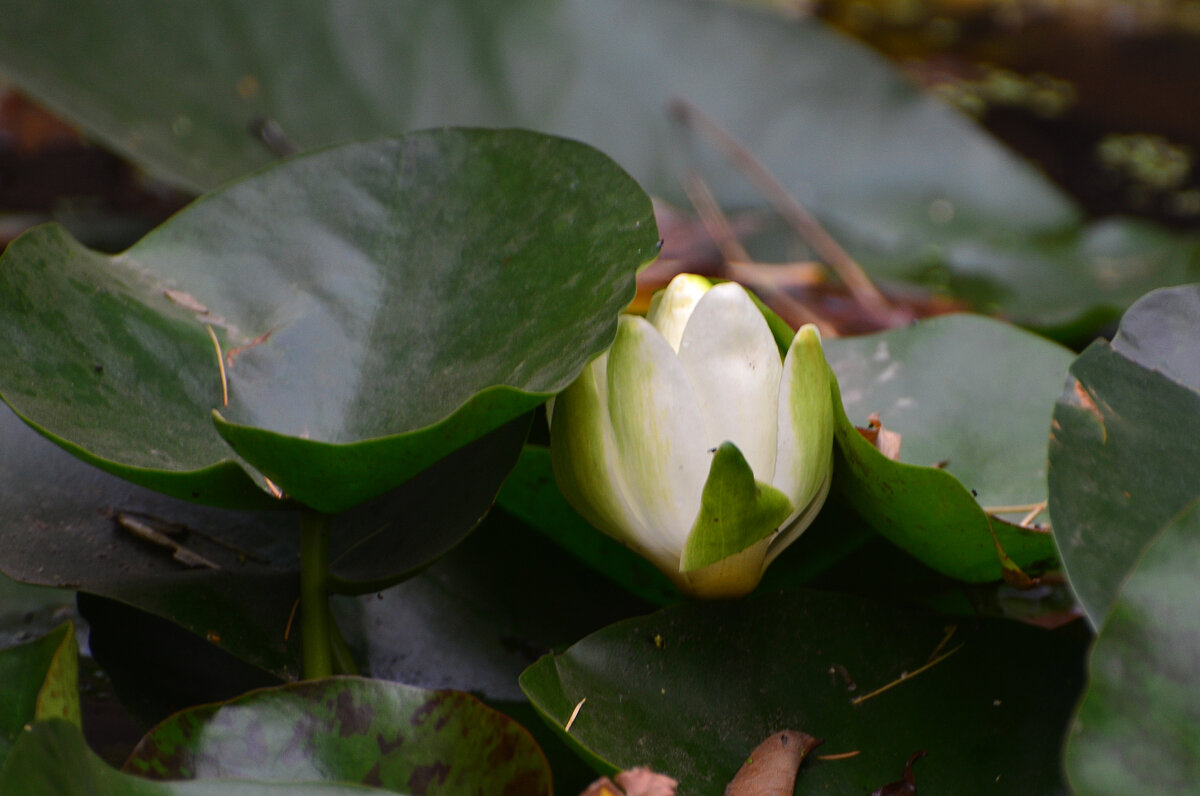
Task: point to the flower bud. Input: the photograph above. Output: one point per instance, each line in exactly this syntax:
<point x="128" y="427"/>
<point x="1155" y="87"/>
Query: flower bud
<point x="693" y="443"/>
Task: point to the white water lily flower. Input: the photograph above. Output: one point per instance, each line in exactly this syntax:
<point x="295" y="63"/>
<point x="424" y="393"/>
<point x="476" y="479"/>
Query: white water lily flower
<point x="691" y="441"/>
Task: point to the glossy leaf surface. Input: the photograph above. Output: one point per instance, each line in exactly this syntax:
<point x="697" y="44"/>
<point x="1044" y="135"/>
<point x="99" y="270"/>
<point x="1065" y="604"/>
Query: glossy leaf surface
<point x="203" y="97"/>
<point x="1135" y="731"/>
<point x="972" y="399"/>
<point x="690" y="690"/>
<point x="378" y="305"/>
<point x="40" y="682"/>
<point x="349" y="729"/>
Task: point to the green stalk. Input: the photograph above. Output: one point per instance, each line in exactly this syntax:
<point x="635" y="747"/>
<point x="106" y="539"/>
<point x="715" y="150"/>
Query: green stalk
<point x="315" y="621"/>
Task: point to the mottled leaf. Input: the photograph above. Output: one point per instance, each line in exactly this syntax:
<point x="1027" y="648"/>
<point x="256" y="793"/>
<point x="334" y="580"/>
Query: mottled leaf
<point x="349" y="729"/>
<point x="52" y="758"/>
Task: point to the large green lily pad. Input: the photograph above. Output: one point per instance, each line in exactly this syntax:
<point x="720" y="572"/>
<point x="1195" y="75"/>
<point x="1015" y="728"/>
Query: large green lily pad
<point x="349" y="729"/>
<point x="39" y="683"/>
<point x="971" y="399"/>
<point x="377" y="305"/>
<point x="53" y="758"/>
<point x="1121" y="469"/>
<point x="1135" y="731"/>
<point x="204" y="96"/>
<point x="692" y="689"/>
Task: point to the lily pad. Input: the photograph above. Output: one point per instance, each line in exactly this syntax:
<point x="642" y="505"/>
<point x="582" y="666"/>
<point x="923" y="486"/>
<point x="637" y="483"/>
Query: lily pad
<point x="1159" y="333"/>
<point x="474" y="620"/>
<point x="201" y="97"/>
<point x="60" y="525"/>
<point x="971" y="398"/>
<point x="40" y="682"/>
<point x="1135" y="731"/>
<point x="1120" y="470"/>
<point x="53" y="758"/>
<point x="376" y="306"/>
<point x="691" y="690"/>
<point x="349" y="729"/>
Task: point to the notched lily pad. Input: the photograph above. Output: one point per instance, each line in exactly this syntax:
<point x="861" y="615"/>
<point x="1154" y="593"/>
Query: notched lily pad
<point x="371" y="307"/>
<point x="1123" y="458"/>
<point x="972" y="399"/>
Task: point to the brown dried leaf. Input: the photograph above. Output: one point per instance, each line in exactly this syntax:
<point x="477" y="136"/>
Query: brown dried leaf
<point x="772" y="767"/>
<point x="885" y="441"/>
<point x="906" y="786"/>
<point x="642" y="781"/>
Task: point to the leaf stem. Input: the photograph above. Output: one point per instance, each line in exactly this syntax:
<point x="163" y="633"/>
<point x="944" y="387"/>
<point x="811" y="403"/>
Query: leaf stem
<point x="315" y="620"/>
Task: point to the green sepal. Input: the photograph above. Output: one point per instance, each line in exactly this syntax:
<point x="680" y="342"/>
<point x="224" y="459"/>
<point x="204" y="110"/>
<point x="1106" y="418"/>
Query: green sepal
<point x="735" y="511"/>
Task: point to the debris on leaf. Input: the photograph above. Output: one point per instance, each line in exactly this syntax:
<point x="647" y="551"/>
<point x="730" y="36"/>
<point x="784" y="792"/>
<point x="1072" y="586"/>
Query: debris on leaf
<point x="187" y="301"/>
<point x="160" y="538"/>
<point x="906" y="786"/>
<point x="639" y="781"/>
<point x="885" y="441"/>
<point x="772" y="767"/>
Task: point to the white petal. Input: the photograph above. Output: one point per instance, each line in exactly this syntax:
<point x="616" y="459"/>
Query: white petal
<point x="655" y="419"/>
<point x="583" y="454"/>
<point x="733" y="361"/>
<point x="805" y="420"/>
<point x="671" y="308"/>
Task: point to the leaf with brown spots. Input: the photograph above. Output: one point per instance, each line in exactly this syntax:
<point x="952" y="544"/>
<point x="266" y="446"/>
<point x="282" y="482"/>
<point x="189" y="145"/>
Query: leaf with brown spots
<point x="349" y="729"/>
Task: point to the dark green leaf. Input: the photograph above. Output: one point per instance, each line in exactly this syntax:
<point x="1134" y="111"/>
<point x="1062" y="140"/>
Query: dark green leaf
<point x="40" y="682"/>
<point x="349" y="729"/>
<point x="52" y="759"/>
<point x="201" y="97"/>
<point x="59" y="526"/>
<point x="1123" y="463"/>
<point x="690" y="690"/>
<point x="475" y="619"/>
<point x="379" y="305"/>
<point x="972" y="399"/>
<point x="1135" y="731"/>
